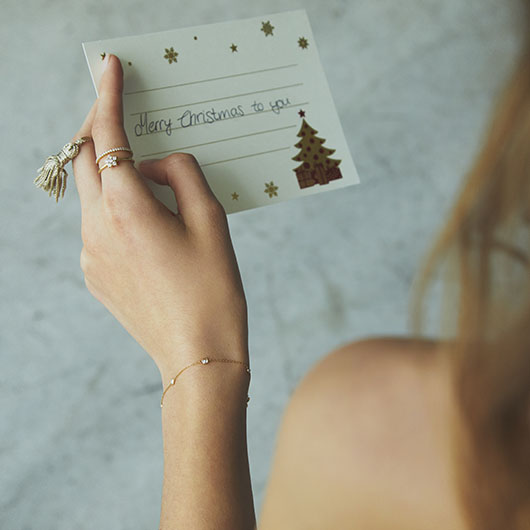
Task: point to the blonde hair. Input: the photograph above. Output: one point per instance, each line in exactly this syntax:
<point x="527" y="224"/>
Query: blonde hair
<point x="484" y="246"/>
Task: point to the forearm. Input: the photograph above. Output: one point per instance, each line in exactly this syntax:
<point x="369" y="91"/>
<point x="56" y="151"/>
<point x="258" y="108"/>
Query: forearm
<point x="206" y="471"/>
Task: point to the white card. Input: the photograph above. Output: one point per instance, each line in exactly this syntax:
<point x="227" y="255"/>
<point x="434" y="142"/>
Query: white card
<point x="247" y="98"/>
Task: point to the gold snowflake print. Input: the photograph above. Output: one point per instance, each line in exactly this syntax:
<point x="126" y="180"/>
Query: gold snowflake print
<point x="267" y="28"/>
<point x="171" y="55"/>
<point x="235" y="196"/>
<point x="302" y="42"/>
<point x="270" y="188"/>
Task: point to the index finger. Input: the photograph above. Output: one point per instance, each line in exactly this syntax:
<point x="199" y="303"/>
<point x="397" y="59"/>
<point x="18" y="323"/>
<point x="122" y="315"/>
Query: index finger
<point x="108" y="132"/>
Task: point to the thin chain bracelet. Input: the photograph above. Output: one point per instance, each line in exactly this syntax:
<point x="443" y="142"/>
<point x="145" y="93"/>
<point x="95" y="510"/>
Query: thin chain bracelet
<point x="206" y="360"/>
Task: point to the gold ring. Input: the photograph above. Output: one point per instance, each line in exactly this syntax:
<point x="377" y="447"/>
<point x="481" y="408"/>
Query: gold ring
<point x="113" y="161"/>
<point x="51" y="177"/>
<point x="113" y="150"/>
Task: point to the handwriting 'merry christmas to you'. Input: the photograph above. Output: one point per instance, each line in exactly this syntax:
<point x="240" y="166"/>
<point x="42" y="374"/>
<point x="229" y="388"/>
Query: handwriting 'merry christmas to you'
<point x="188" y="118"/>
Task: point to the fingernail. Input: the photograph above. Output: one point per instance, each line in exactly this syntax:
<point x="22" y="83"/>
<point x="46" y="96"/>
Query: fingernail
<point x="106" y="61"/>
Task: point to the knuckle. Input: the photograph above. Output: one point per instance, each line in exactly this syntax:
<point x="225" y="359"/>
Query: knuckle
<point x="118" y="216"/>
<point x="91" y="289"/>
<point x="125" y="212"/>
<point x="83" y="260"/>
<point x="88" y="264"/>
<point x="90" y="245"/>
<point x="98" y="126"/>
<point x="214" y="211"/>
<point x="85" y="233"/>
<point x="103" y="124"/>
<point x="89" y="275"/>
<point x="115" y="205"/>
<point x="181" y="159"/>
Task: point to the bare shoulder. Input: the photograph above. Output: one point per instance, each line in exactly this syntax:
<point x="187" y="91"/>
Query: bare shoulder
<point x="364" y="443"/>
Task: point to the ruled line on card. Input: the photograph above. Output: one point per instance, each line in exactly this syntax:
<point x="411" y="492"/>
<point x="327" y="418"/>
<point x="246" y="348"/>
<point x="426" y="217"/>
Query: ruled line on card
<point x="179" y="149"/>
<point x="211" y="79"/>
<point x="245" y="156"/>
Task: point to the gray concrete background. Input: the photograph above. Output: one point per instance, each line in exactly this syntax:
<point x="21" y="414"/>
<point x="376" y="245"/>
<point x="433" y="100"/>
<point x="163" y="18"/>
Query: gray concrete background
<point x="80" y="436"/>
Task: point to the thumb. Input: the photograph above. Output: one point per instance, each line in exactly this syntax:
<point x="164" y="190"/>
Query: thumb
<point x="182" y="173"/>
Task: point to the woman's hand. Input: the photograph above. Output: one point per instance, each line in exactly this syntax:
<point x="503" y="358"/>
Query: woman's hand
<point x="171" y="280"/>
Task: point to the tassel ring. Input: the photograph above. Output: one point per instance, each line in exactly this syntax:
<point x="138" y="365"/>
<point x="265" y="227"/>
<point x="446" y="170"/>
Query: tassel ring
<point x="51" y="176"/>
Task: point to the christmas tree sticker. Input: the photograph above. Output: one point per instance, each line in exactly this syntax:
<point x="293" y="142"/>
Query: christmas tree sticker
<point x="316" y="167"/>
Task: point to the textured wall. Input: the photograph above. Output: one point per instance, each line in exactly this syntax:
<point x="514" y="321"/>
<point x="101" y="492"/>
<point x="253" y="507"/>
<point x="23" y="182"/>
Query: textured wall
<point x="80" y="437"/>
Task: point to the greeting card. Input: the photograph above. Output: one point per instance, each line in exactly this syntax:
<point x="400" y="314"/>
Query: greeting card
<point x="247" y="98"/>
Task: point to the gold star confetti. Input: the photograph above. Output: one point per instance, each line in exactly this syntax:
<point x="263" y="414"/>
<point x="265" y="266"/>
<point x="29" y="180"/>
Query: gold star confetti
<point x="103" y="55"/>
<point x="267" y="28"/>
<point x="233" y="48"/>
<point x="270" y="188"/>
<point x="171" y="55"/>
<point x="302" y="42"/>
<point x="235" y="196"/>
<point x="195" y="38"/>
<point x="130" y="64"/>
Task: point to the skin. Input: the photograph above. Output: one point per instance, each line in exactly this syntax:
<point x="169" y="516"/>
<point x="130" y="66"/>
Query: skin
<point x="363" y="443"/>
<point x="142" y="262"/>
